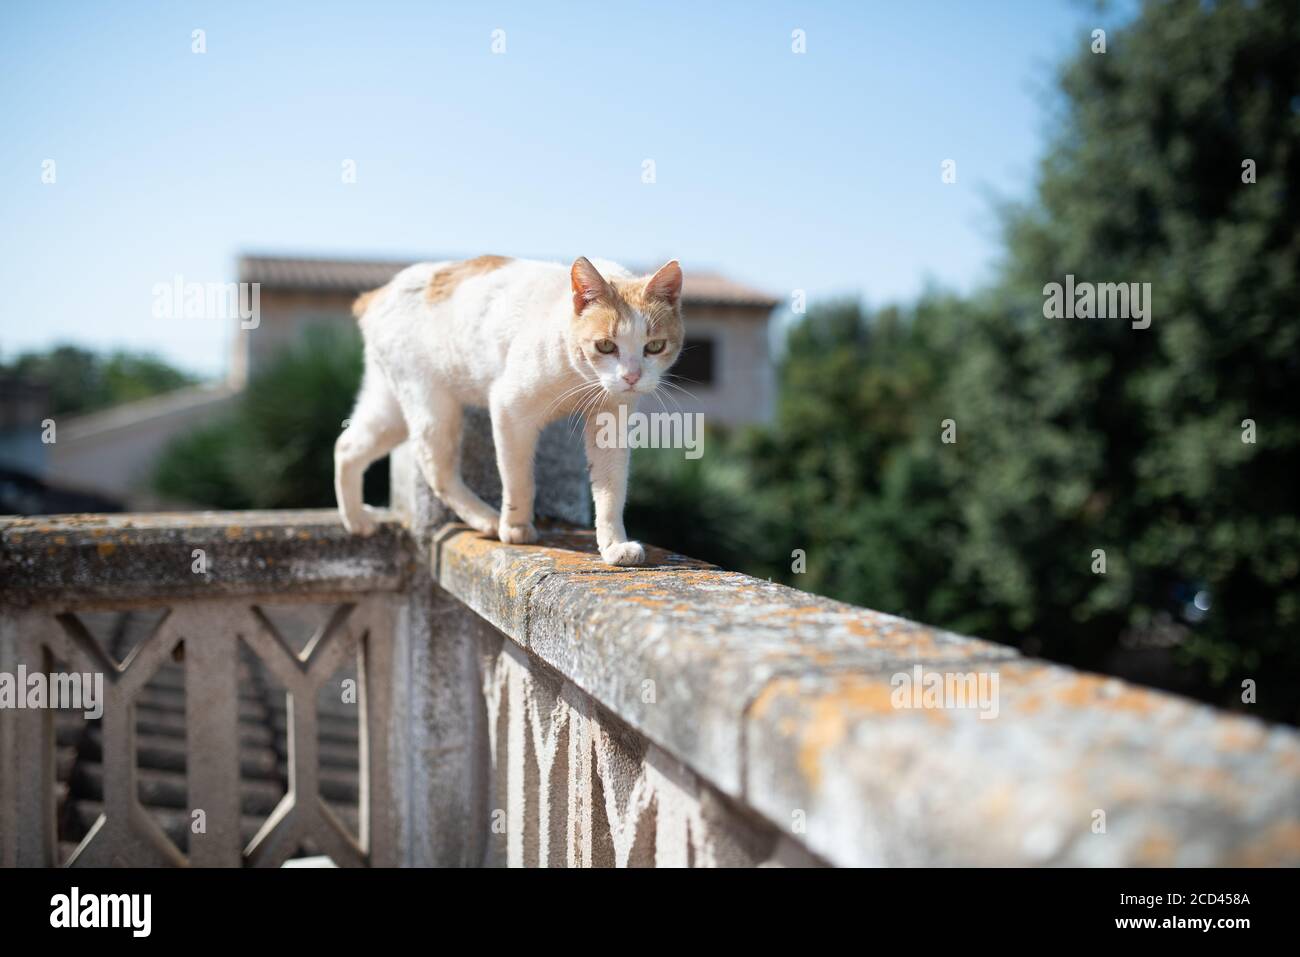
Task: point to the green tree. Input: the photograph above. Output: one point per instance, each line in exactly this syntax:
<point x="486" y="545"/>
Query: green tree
<point x="82" y="381"/>
<point x="1074" y="435"/>
<point x="1149" y="181"/>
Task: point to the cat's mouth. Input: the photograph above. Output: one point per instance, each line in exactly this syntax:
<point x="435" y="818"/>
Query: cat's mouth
<point x="619" y="388"/>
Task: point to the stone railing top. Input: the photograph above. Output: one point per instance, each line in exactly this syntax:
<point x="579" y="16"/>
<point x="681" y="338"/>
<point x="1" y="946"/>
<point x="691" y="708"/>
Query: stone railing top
<point x="48" y="559"/>
<point x="795" y="706"/>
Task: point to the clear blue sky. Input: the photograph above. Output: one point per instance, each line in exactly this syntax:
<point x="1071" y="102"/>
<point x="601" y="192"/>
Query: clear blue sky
<point x="818" y="171"/>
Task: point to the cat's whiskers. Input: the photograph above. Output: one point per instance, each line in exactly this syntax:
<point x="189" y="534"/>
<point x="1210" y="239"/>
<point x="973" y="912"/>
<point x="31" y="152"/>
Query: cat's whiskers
<point x="658" y="395"/>
<point x="671" y="385"/>
<point x="583" y="412"/>
<point x="581" y="387"/>
<point x="671" y="381"/>
<point x="586" y="403"/>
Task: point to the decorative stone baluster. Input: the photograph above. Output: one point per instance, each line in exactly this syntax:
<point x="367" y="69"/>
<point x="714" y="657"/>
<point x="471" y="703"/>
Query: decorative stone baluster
<point x="443" y="774"/>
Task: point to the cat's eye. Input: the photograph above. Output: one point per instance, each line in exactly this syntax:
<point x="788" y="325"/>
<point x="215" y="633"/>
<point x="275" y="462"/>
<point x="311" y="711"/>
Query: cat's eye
<point x="605" y="346"/>
<point x="655" y="346"/>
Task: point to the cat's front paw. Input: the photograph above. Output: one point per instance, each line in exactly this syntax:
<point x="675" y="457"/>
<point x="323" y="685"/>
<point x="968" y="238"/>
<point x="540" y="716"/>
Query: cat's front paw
<point x="623" y="553"/>
<point x="517" y="534"/>
<point x="362" y="523"/>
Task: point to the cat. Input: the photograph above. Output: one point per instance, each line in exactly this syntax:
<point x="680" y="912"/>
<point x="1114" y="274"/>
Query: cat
<point x="529" y="341"/>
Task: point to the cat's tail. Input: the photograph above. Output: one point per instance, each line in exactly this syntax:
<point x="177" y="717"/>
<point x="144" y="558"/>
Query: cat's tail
<point x="364" y="300"/>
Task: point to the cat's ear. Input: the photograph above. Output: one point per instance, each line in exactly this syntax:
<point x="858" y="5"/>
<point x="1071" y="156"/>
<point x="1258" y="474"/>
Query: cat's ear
<point x="666" y="284"/>
<point x="588" y="284"/>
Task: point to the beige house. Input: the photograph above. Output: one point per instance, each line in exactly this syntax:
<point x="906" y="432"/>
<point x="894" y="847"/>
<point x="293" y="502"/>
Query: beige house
<point x="726" y="358"/>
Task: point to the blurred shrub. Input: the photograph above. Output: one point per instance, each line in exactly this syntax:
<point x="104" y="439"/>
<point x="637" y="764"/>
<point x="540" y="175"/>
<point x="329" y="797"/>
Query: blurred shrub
<point x="276" y="450"/>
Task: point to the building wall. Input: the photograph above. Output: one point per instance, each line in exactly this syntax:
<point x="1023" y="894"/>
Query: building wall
<point x="113" y="453"/>
<point x="744" y="386"/>
<point x="285" y="315"/>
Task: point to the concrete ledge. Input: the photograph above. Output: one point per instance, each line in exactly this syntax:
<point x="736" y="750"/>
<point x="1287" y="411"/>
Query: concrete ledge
<point x="785" y="702"/>
<point x="48" y="559"/>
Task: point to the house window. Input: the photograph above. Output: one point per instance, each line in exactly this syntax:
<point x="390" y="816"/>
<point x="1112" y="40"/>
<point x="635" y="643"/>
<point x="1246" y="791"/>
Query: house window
<point x="695" y="364"/>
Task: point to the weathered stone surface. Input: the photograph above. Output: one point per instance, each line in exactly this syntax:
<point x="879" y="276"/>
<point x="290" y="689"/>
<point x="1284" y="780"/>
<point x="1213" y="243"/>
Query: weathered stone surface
<point x="673" y="714"/>
<point x="679" y="648"/>
<point x="782" y="701"/>
<point x="123" y="557"/>
<point x="1073" y="768"/>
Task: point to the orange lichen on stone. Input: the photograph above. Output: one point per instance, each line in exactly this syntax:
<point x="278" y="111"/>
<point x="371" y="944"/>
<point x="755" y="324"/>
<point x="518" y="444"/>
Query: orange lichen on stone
<point x="770" y="692"/>
<point x="643" y="600"/>
<point x="568" y="553"/>
<point x="1041" y="688"/>
<point x="567" y="562"/>
<point x="1156" y="850"/>
<point x="695" y="576"/>
<point x="1091" y="690"/>
<point x="105" y="549"/>
<point x="828" y="722"/>
<point x="802" y="611"/>
<point x="1289" y="762"/>
<point x="1214" y="780"/>
<point x="1238" y="736"/>
<point x="1000" y="801"/>
<point x="1280" y="841"/>
<point x="825" y="718"/>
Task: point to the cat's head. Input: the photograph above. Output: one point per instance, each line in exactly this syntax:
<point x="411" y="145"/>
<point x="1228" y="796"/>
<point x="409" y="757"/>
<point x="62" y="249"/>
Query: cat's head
<point x="626" y="332"/>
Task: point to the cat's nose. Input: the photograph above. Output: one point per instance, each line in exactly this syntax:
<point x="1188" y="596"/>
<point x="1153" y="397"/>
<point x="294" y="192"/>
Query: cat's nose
<point x="632" y="378"/>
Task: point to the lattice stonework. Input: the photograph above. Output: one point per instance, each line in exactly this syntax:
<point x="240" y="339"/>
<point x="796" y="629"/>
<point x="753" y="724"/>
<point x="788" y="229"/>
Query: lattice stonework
<point x="570" y="788"/>
<point x="207" y="635"/>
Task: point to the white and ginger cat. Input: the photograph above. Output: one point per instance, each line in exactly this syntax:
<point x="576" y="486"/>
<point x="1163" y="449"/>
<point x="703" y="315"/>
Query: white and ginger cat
<point x="529" y="341"/>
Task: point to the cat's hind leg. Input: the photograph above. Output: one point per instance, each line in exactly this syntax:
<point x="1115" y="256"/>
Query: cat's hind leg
<point x="436" y="435"/>
<point x="375" y="429"/>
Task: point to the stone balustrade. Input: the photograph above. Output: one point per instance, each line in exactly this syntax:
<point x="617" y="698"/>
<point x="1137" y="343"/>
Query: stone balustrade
<point x="798" y="715"/>
<point x="210" y="579"/>
<point x="532" y="706"/>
